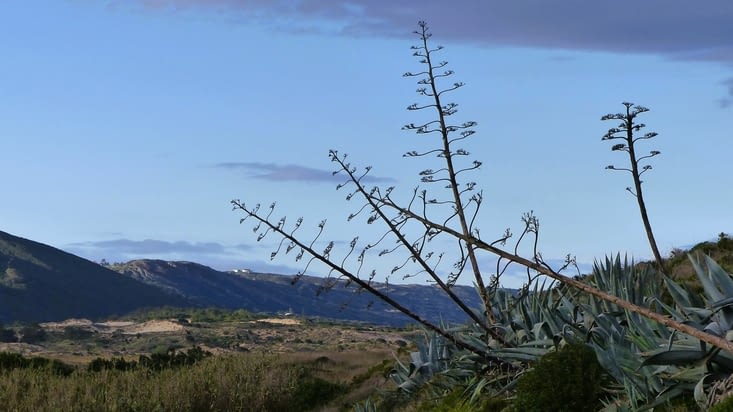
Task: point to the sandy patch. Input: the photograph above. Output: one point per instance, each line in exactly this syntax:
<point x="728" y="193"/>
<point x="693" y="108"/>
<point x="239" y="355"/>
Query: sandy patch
<point x="280" y="321"/>
<point x="115" y="324"/>
<point x="67" y="323"/>
<point x="153" y="326"/>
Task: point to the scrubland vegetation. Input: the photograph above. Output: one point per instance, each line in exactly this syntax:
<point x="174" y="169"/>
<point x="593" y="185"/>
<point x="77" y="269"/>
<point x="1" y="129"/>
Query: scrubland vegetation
<point x="563" y="350"/>
<point x="252" y="382"/>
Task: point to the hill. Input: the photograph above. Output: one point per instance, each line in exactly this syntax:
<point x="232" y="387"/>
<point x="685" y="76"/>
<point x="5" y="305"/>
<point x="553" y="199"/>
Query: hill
<point x="272" y="293"/>
<point x="720" y="250"/>
<point x="42" y="283"/>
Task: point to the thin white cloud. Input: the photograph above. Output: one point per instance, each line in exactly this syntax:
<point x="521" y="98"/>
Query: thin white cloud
<point x="154" y="247"/>
<point x="212" y="254"/>
<point x="293" y="173"/>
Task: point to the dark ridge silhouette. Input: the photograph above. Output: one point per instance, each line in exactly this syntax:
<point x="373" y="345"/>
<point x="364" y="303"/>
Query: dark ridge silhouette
<point x="41" y="283"/>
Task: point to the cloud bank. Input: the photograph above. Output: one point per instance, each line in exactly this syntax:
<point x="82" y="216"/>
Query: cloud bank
<point x="672" y="29"/>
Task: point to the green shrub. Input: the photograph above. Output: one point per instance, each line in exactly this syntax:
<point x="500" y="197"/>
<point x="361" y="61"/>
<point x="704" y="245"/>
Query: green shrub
<point x="172" y="359"/>
<point x="726" y="405"/>
<point x="456" y="401"/>
<point x="684" y="403"/>
<point x="118" y="364"/>
<point x="155" y="362"/>
<point x="10" y="361"/>
<point x="312" y="391"/>
<point x="566" y="380"/>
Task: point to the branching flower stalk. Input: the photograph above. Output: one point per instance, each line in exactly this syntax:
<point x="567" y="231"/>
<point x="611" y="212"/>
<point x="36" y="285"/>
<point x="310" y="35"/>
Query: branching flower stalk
<point x="625" y="131"/>
<point x="376" y="202"/>
<point x="324" y="258"/>
<point x="446" y="152"/>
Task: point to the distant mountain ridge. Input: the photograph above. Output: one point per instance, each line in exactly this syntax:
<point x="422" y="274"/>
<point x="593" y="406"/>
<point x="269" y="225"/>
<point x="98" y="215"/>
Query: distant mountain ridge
<point x="39" y="283"/>
<point x="260" y="292"/>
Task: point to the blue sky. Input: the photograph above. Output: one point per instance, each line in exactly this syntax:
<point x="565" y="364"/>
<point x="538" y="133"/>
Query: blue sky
<point x="126" y="127"/>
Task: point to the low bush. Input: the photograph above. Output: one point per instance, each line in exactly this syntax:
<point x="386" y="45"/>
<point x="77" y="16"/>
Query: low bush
<point x="726" y="405"/>
<point x="10" y="361"/>
<point x="566" y="380"/>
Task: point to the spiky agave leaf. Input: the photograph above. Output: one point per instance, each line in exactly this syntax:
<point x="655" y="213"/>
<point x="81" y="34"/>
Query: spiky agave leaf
<point x="718" y="288"/>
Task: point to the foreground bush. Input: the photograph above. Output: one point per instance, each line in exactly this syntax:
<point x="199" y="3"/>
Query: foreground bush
<point x="566" y="380"/>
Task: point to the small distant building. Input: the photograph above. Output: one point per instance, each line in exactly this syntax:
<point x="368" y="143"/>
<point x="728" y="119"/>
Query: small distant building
<point x="241" y="271"/>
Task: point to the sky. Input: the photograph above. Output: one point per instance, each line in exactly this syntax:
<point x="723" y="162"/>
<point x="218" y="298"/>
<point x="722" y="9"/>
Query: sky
<point x="127" y="127"/>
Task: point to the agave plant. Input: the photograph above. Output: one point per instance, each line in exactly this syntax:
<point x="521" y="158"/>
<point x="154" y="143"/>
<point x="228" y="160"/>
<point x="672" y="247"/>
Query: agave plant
<point x="432" y="356"/>
<point x="652" y="363"/>
<point x="715" y="317"/>
<point x="530" y="325"/>
<point x="619" y="336"/>
<point x="369" y="405"/>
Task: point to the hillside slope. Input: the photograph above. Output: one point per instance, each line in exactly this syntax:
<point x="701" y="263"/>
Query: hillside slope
<point x="42" y="283"/>
<point x="271" y="293"/>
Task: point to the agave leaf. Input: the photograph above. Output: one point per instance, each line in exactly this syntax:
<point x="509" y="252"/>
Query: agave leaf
<point x="715" y="328"/>
<point x="711" y="290"/>
<point x="644" y="334"/>
<point x="666" y="396"/>
<point x="539" y="330"/>
<point x="688" y="374"/>
<point x="702" y="314"/>
<point x="722" y="303"/>
<point x="408" y="386"/>
<point x="675" y="357"/>
<point x="675" y="312"/>
<point x="680" y="296"/>
<point x="717" y="272"/>
<point x="526" y="354"/>
<point x="699" y="393"/>
<point x="417" y="359"/>
<point x="718" y="286"/>
<point x="522" y="336"/>
<point x="539" y="343"/>
<point x="724" y="360"/>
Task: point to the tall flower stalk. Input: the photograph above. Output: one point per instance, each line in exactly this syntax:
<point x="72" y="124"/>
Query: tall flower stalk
<point x="625" y="132"/>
